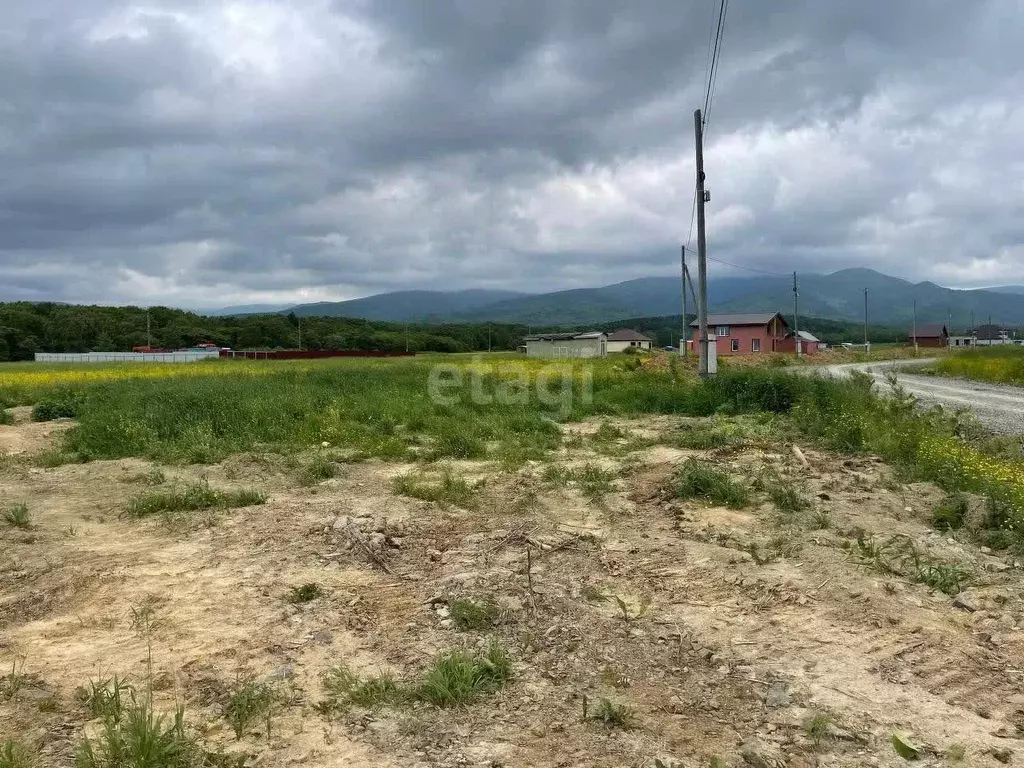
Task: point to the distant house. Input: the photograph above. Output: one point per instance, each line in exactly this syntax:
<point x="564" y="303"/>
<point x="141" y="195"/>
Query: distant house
<point x="929" y="336"/>
<point x="623" y="339"/>
<point x="809" y="343"/>
<point x="960" y="341"/>
<point x="745" y="334"/>
<point x="567" y="345"/>
<point x="988" y="335"/>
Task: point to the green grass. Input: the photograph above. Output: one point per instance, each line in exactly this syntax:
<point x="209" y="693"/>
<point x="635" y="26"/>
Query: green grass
<point x="17" y="516"/>
<point x="1002" y="364"/>
<point x="152" y="477"/>
<point x="250" y="701"/>
<point x="698" y="480"/>
<point x="318" y="470"/>
<point x="816" y="727"/>
<point x="473" y="615"/>
<point x="13" y="754"/>
<point x="698" y="439"/>
<point x="458" y="677"/>
<point x="345" y="688"/>
<point x="784" y="494"/>
<point x="192" y="498"/>
<point x="449" y="491"/>
<point x="384" y="409"/>
<point x="142" y="738"/>
<point x="951" y="513"/>
<point x="306" y="593"/>
<point x="900" y="555"/>
<point x="106" y="698"/>
<point x="612" y="715"/>
<point x="5" y="417"/>
<point x="455" y="678"/>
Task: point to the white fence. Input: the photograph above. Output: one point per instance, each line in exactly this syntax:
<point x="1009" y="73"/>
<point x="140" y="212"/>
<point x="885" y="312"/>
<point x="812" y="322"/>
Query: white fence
<point x="181" y="356"/>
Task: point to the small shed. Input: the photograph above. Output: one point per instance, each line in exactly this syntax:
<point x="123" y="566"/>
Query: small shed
<point x="929" y="336"/>
<point x="809" y="343"/>
<point x="624" y="338"/>
<point x="567" y="345"/>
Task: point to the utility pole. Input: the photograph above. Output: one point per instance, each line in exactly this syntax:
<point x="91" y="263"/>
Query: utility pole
<point x="406" y="335"/>
<point x="914" y="325"/>
<point x="702" y="247"/>
<point x="488" y="337"/>
<point x="149" y="337"/>
<point x="299" y="318"/>
<point x="866" y="347"/>
<point x="796" y="318"/>
<point x="682" y="278"/>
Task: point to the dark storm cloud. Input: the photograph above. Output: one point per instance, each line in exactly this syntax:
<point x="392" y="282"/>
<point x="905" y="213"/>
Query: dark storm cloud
<point x="213" y="153"/>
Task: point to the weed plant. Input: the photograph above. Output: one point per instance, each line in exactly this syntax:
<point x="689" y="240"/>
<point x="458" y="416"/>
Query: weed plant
<point x="193" y="497"/>
<point x="473" y="615"/>
<point x="699" y="480"/>
<point x="17" y="516"/>
<point x="13" y="754"/>
<point x="449" y="491"/>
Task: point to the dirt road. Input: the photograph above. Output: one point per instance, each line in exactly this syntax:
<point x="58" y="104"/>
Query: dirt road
<point x="998" y="407"/>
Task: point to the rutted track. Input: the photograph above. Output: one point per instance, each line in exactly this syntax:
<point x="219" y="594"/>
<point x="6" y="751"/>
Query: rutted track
<point x="998" y="407"/>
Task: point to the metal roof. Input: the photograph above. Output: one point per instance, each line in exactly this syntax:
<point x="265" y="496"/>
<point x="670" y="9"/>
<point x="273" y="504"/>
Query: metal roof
<point x="808" y="336"/>
<point x="564" y="336"/>
<point x="928" y="331"/>
<point x="748" y="318"/>
<point x="625" y="334"/>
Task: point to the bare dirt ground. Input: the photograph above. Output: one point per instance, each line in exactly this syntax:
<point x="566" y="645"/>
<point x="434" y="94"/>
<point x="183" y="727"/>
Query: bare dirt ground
<point x="714" y="645"/>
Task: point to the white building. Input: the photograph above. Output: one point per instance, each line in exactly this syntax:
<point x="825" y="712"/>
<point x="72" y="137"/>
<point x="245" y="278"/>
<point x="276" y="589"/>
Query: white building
<point x="190" y="355"/>
<point x="961" y="341"/>
<point x="623" y="339"/>
<point x="567" y="345"/>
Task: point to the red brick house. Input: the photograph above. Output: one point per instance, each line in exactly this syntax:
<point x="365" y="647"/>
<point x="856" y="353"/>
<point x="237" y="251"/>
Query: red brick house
<point x="929" y="336"/>
<point x="745" y="334"/>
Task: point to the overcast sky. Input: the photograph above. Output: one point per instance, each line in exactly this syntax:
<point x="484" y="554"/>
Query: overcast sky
<point x="203" y="153"/>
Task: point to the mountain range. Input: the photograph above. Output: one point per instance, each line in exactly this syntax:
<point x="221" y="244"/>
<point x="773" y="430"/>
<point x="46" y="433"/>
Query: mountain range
<point x="837" y="296"/>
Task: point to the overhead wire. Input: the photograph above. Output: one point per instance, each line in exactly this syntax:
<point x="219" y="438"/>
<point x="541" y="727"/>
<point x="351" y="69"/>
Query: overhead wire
<point x="715" y="34"/>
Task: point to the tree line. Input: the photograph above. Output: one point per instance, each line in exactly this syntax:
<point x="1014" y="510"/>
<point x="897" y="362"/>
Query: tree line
<point x="27" y="328"/>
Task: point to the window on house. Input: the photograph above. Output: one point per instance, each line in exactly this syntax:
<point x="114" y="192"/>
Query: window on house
<point x="735" y="345"/>
<point x="722" y="330"/>
<point x="755" y="345"/>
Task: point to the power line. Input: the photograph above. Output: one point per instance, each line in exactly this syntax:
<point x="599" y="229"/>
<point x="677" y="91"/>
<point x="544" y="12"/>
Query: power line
<point x="740" y="266"/>
<point x="716" y="61"/>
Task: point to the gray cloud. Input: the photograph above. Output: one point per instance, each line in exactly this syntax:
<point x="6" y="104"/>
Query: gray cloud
<point x="207" y="153"/>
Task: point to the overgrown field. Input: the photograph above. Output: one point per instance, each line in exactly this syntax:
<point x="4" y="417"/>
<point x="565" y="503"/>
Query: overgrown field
<point x="1002" y="364"/>
<point x="499" y="408"/>
<point x="447" y="562"/>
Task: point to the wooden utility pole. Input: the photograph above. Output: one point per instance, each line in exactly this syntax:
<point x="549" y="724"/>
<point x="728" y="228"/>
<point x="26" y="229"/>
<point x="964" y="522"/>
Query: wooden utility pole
<point x="866" y="321"/>
<point x="915" y="324"/>
<point x="702" y="248"/>
<point x="682" y="278"/>
<point x="796" y="318"/>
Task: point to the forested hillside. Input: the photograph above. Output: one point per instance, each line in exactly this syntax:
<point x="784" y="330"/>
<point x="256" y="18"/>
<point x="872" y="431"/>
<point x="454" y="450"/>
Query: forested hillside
<point x="27" y="328"/>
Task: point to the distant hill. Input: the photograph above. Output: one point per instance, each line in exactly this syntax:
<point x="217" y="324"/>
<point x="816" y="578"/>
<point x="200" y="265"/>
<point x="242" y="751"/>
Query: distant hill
<point x="244" y="309"/>
<point x="408" y="305"/>
<point x="836" y="296"/>
<point x="1017" y="289"/>
<point x="840" y="296"/>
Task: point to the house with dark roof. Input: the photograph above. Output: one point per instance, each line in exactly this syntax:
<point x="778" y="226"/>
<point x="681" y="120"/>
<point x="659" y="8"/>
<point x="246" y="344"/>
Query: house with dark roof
<point x="624" y="338"/>
<point x="749" y="333"/>
<point x="809" y="343"/>
<point x="927" y="335"/>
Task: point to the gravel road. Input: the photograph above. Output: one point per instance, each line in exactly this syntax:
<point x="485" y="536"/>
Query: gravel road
<point x="998" y="407"/>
